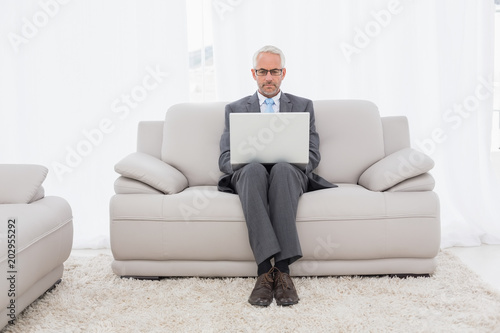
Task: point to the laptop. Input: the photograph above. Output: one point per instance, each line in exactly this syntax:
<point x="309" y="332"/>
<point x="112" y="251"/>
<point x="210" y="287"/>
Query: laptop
<point x="269" y="138"/>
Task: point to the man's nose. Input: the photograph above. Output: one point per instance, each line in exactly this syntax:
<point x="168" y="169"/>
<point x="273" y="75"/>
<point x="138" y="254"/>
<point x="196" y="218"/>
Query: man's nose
<point x="269" y="77"/>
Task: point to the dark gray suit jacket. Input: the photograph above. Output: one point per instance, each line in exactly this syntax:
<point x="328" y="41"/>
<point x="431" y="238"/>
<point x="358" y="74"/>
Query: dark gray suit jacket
<point x="288" y="103"/>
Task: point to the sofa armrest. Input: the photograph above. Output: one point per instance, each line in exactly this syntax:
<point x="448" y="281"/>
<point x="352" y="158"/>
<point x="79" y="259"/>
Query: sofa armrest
<point x="21" y="183"/>
<point x="395" y="168"/>
<point x="424" y="182"/>
<point x="124" y="185"/>
<point x="153" y="172"/>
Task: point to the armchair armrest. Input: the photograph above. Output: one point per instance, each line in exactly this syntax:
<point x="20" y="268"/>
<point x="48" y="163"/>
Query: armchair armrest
<point x="153" y="172"/>
<point x="21" y="183"/>
<point x="395" y="168"/>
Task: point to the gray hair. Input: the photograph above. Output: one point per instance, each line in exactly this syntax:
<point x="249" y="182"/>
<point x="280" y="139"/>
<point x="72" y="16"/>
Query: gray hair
<point x="269" y="49"/>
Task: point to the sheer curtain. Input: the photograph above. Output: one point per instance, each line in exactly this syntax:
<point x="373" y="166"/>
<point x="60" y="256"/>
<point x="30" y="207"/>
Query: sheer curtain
<point x="76" y="77"/>
<point x="431" y="61"/>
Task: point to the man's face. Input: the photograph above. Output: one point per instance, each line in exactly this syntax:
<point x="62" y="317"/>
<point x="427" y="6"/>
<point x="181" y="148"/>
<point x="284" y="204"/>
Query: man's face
<point x="268" y="85"/>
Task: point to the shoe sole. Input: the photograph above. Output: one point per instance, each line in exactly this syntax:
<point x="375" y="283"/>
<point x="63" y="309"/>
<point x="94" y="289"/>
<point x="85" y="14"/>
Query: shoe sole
<point x="286" y="303"/>
<point x="261" y="305"/>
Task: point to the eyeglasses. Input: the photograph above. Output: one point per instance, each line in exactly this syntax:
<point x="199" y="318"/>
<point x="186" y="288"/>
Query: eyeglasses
<point x="274" y="72"/>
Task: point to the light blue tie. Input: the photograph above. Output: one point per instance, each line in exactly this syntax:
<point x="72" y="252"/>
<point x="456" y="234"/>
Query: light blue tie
<point x="269" y="108"/>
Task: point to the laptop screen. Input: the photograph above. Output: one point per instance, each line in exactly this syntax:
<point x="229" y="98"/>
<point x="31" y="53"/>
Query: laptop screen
<point x="269" y="138"/>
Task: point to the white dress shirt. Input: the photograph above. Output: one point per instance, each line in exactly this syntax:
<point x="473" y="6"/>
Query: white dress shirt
<point x="263" y="105"/>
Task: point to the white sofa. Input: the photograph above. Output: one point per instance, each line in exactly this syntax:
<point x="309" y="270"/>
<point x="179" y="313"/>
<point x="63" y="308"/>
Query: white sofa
<point x="168" y="219"/>
<point x="36" y="238"/>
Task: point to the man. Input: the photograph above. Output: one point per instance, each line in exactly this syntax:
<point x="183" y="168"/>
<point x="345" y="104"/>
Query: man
<point x="269" y="194"/>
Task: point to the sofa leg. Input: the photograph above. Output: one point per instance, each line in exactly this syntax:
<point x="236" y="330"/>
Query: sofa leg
<point x="140" y="277"/>
<point x="405" y="276"/>
<point x="53" y="286"/>
<point x="400" y="276"/>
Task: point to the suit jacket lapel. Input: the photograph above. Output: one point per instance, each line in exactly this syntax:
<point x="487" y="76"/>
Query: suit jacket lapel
<point x="285" y="103"/>
<point x="253" y="103"/>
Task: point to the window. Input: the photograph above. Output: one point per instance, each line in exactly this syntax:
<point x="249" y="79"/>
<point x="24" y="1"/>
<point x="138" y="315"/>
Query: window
<point x="201" y="65"/>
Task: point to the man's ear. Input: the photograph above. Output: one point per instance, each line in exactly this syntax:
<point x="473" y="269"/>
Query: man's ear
<point x="284" y="73"/>
<point x="253" y="74"/>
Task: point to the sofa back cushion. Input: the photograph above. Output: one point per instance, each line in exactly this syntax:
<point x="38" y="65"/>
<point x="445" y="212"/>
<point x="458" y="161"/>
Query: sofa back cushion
<point x="191" y="137"/>
<point x="351" y="138"/>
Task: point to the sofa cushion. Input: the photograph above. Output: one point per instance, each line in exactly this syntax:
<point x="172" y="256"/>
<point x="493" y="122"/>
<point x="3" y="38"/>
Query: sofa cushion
<point x="395" y="168"/>
<point x="423" y="182"/>
<point x="351" y="138"/>
<point x="125" y="185"/>
<point x="201" y="223"/>
<point x="191" y="140"/>
<point x="40" y="194"/>
<point x="21" y="182"/>
<point x="152" y="171"/>
<point x="351" y="222"/>
<point x="351" y="202"/>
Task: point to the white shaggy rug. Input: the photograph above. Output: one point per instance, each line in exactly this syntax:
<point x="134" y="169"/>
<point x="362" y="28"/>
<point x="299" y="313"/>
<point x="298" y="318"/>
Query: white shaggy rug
<point x="91" y="298"/>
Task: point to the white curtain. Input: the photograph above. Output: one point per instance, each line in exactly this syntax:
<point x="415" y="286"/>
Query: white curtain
<point x="431" y="61"/>
<point x="75" y="79"/>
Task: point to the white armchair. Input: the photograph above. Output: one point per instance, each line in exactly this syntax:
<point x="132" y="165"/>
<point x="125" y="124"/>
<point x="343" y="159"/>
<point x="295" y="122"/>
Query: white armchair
<point x="36" y="237"/>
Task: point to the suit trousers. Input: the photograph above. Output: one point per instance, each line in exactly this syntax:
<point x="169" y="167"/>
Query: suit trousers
<point x="269" y="197"/>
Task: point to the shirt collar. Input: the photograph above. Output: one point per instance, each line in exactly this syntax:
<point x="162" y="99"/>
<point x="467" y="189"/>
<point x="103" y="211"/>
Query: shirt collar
<point x="276" y="98"/>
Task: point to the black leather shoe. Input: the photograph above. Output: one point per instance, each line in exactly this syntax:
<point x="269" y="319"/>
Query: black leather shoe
<point x="284" y="290"/>
<point x="262" y="293"/>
